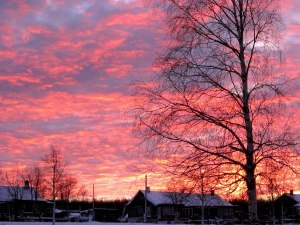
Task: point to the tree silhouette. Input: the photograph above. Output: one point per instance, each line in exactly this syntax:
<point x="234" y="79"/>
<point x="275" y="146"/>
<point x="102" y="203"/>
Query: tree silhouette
<point x="54" y="167"/>
<point x="216" y="100"/>
<point x="35" y="175"/>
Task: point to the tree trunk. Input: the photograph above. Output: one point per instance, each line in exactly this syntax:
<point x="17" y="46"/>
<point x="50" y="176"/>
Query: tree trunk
<point x="53" y="212"/>
<point x="250" y="164"/>
<point x="252" y="202"/>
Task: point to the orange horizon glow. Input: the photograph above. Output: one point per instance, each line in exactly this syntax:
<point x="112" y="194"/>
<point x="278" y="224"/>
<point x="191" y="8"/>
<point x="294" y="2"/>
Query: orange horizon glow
<point x="66" y="69"/>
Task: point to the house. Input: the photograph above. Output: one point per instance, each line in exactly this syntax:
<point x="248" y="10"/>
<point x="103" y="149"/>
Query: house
<point x="288" y="207"/>
<point x="19" y="203"/>
<point x="173" y="206"/>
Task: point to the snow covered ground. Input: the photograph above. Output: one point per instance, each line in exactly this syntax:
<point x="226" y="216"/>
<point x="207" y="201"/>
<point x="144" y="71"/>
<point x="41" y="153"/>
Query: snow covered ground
<point x="62" y="223"/>
<point x="65" y="223"/>
<point x="71" y="223"/>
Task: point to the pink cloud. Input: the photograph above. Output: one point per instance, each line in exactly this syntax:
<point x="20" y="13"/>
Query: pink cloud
<point x="18" y="79"/>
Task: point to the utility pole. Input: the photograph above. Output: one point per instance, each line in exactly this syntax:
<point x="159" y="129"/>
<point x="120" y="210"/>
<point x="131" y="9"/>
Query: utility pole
<point x="145" y="214"/>
<point x="202" y="198"/>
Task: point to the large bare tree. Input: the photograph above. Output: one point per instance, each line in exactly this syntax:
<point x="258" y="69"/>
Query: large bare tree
<point x="216" y="101"/>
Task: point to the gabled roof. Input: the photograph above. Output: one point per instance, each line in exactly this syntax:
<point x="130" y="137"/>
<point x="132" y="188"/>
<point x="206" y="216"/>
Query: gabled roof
<point x="165" y="198"/>
<point x="295" y="197"/>
<point x="9" y="193"/>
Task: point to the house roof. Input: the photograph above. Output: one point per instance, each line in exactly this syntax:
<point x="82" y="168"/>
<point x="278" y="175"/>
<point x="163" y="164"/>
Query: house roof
<point x="163" y="198"/>
<point x="295" y="197"/>
<point x="9" y="193"/>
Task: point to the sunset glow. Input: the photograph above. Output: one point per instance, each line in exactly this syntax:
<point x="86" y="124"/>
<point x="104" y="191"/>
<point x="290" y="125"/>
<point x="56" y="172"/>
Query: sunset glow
<point x="66" y="69"/>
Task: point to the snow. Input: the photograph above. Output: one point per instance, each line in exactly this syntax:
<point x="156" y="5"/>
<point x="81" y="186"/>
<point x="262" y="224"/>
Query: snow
<point x="157" y="198"/>
<point x="208" y="200"/>
<point x="23" y="193"/>
<point x="65" y="223"/>
<point x="81" y="223"/>
<point x="160" y="198"/>
<point x="296" y="197"/>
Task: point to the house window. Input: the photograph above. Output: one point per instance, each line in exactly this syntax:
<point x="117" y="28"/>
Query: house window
<point x="168" y="211"/>
<point x="148" y="211"/>
<point x="137" y="211"/>
<point x="187" y="212"/>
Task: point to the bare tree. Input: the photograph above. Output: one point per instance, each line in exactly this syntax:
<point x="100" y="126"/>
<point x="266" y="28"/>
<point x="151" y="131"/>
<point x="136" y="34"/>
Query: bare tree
<point x="178" y="192"/>
<point x="206" y="180"/>
<point x="204" y="183"/>
<point x="82" y="193"/>
<point x="67" y="187"/>
<point x="35" y="175"/>
<point x="274" y="183"/>
<point x="1" y="177"/>
<point x="54" y="166"/>
<point x="217" y="98"/>
<point x="14" y="183"/>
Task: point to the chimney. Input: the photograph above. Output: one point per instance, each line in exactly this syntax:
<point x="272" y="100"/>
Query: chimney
<point x="212" y="192"/>
<point x="148" y="189"/>
<point x="291" y="192"/>
<point x="26" y="184"/>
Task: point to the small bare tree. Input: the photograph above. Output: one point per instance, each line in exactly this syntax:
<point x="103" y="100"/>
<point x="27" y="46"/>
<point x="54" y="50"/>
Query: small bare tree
<point x="206" y="179"/>
<point x="1" y="177"/>
<point x="82" y="193"/>
<point x="54" y="167"/>
<point x="67" y="187"/>
<point x="35" y="175"/>
<point x="14" y="183"/>
<point x="178" y="192"/>
<point x="274" y="184"/>
<point x="217" y="97"/>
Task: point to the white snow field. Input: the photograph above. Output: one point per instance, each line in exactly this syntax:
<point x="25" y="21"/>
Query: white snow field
<point x="63" y="223"/>
<point x="68" y="223"/>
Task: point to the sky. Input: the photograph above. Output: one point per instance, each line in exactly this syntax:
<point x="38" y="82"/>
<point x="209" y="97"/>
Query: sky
<point x="66" y="74"/>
